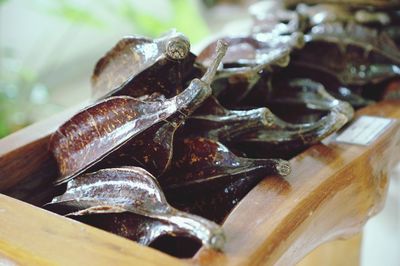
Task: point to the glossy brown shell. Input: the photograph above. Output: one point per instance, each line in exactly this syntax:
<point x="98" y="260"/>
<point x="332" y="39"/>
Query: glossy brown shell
<point x="247" y="59"/>
<point x="251" y="51"/>
<point x="201" y="164"/>
<point x="357" y="3"/>
<point x="134" y="190"/>
<point x="98" y="130"/>
<point x="134" y="66"/>
<point x="347" y="93"/>
<point x="312" y="112"/>
<point x="212" y="120"/>
<point x="353" y="34"/>
<point x="354" y="54"/>
<point x="271" y="17"/>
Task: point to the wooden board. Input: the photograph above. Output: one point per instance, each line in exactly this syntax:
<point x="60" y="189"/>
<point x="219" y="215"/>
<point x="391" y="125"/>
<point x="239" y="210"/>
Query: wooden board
<point x="32" y="236"/>
<point x="25" y="163"/>
<point x="339" y="252"/>
<point x="333" y="189"/>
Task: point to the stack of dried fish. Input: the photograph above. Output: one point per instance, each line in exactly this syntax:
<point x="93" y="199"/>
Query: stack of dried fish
<point x="351" y="47"/>
<point x="169" y="128"/>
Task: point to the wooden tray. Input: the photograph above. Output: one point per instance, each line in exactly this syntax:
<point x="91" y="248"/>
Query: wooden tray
<point x="333" y="189"/>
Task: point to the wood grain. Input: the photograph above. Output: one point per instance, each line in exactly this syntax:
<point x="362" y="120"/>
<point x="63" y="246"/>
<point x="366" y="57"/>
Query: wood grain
<point x="338" y="252"/>
<point x="31" y="236"/>
<point x="333" y="189"/>
<point x="27" y="168"/>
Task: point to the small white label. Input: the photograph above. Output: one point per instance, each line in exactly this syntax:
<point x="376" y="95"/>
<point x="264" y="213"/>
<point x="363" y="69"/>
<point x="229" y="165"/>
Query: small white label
<point x="364" y="130"/>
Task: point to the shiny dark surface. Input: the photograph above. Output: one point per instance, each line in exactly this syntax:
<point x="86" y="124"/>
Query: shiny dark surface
<point x="134" y="65"/>
<point x="247" y="58"/>
<point x="305" y="114"/>
<point x="216" y="204"/>
<point x="101" y="129"/>
<point x="272" y="18"/>
<point x="133" y="190"/>
<point x="201" y="164"/>
<point x="212" y="120"/>
<point x="153" y="148"/>
<point x="350" y="94"/>
<point x="355" y="54"/>
<point x="356" y="44"/>
<point x="96" y="131"/>
<point x="209" y="180"/>
<point x="378" y="4"/>
<point x="280" y="88"/>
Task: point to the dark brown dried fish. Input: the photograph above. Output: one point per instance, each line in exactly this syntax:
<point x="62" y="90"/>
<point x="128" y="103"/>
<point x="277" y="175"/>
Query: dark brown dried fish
<point x="134" y="190"/>
<point x="102" y="128"/>
<point x="308" y="93"/>
<point x="212" y="120"/>
<point x="325" y="13"/>
<point x="253" y="51"/>
<point x="356" y="55"/>
<point x="387" y="21"/>
<point x="280" y="81"/>
<point x="271" y="17"/>
<point x="138" y="66"/>
<point x="312" y="113"/>
<point x="287" y="139"/>
<point x="247" y="58"/>
<point x="152" y="149"/>
<point x="98" y="130"/>
<point x="381" y="4"/>
<point x="331" y="13"/>
<point x="139" y="228"/>
<point x="201" y="164"/>
<point x="209" y="180"/>
<point x="215" y="204"/>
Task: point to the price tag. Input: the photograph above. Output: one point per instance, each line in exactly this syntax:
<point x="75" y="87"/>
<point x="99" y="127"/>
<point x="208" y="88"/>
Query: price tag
<point x="364" y="130"/>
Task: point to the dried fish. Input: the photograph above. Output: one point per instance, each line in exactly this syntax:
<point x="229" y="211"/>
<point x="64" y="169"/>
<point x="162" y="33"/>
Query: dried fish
<point x="201" y="164"/>
<point x="138" y="66"/>
<point x="279" y="82"/>
<point x="356" y="55"/>
<point x="134" y="190"/>
<point x="381" y="4"/>
<point x="212" y="120"/>
<point x="273" y="19"/>
<point x="217" y="203"/>
<point x="306" y="113"/>
<point x="152" y="148"/>
<point x="247" y="58"/>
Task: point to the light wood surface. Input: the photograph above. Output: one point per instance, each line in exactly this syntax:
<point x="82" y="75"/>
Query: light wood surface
<point x="333" y="189"/>
<point x="32" y="236"/>
<point x="335" y="253"/>
<point x="26" y="166"/>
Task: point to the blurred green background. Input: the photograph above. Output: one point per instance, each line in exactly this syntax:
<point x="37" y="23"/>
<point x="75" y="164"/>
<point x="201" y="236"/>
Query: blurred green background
<point x="48" y="47"/>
